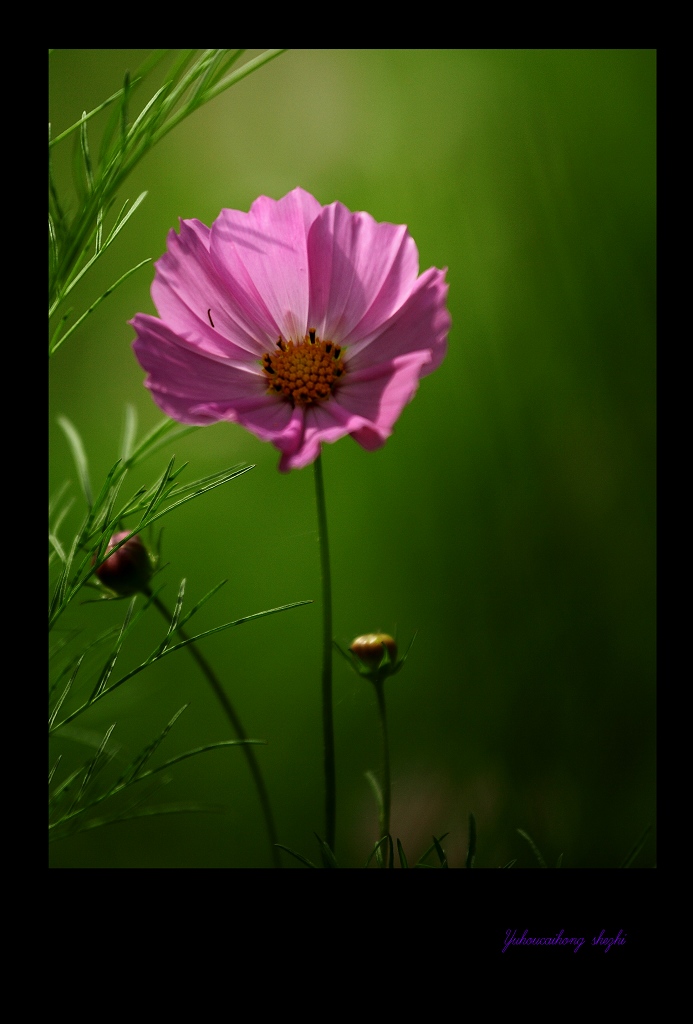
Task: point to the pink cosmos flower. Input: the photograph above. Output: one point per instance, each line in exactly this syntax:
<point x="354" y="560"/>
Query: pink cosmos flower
<point x="301" y="322"/>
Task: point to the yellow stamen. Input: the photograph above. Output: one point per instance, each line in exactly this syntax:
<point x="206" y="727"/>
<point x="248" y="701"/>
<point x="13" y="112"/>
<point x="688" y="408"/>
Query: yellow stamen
<point x="305" y="373"/>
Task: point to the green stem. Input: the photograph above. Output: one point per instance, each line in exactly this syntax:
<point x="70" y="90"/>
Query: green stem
<point x="327" y="724"/>
<point x="237" y="725"/>
<point x="387" y="786"/>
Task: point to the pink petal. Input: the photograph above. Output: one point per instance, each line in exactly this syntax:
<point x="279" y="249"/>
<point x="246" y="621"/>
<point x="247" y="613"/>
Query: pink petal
<point x="263" y="257"/>
<point x="193" y="388"/>
<point x="421" y="324"/>
<point x="201" y="230"/>
<point x="307" y="445"/>
<point x="269" y="418"/>
<point x="292" y="433"/>
<point x="306" y="454"/>
<point x="361" y="272"/>
<point x="190" y="296"/>
<point x="170" y="357"/>
<point x="179" y="368"/>
<point x="378" y="394"/>
<point x="326" y="422"/>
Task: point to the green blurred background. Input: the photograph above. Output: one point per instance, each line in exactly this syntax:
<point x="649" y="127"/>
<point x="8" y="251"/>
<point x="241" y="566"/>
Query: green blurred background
<point x="510" y="519"/>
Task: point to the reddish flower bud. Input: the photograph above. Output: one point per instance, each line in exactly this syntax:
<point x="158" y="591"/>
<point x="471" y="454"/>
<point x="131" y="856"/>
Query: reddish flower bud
<point x="128" y="570"/>
<point x="371" y="648"/>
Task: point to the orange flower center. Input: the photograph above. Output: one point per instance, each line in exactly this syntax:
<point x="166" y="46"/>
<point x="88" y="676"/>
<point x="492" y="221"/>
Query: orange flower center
<point x="305" y="373"/>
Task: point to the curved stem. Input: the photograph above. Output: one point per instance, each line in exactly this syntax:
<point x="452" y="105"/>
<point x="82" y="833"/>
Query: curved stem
<point x="237" y="725"/>
<point x="327" y="724"/>
<point x="387" y="786"/>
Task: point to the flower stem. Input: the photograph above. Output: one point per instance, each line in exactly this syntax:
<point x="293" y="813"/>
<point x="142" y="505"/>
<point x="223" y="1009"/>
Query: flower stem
<point x="237" y="726"/>
<point x="387" y="786"/>
<point x="327" y="723"/>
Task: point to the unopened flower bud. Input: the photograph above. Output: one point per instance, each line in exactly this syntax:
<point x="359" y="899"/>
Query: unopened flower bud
<point x="128" y="570"/>
<point x="370" y="649"/>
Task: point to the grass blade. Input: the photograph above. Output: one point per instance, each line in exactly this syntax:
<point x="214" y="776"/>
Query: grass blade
<point x="377" y="852"/>
<point x="86" y="158"/>
<point x="408" y="650"/>
<point x="78" y="811"/>
<point x="247" y="69"/>
<point x="628" y="862"/>
<point x="377" y="791"/>
<point x="177" y="610"/>
<point x="328" y="858"/>
<point x="107" y="670"/>
<point x="236" y="622"/>
<point x="471" y="849"/>
<point x="441" y="853"/>
<point x="224" y="478"/>
<point x="52" y="771"/>
<point x="84" y="118"/>
<point x="106" y="490"/>
<point x="65" y="785"/>
<point x="65" y="692"/>
<point x="157" y="434"/>
<point x="78" y="454"/>
<point x="129" y="432"/>
<point x="420" y="861"/>
<point x="159" y="490"/>
<point x="91" y="768"/>
<point x="203" y="600"/>
<point x="55" y="344"/>
<point x="139" y="762"/>
<point x="535" y="849"/>
<point x="298" y="856"/>
<point x="195" y="752"/>
<point x="145" y="812"/>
